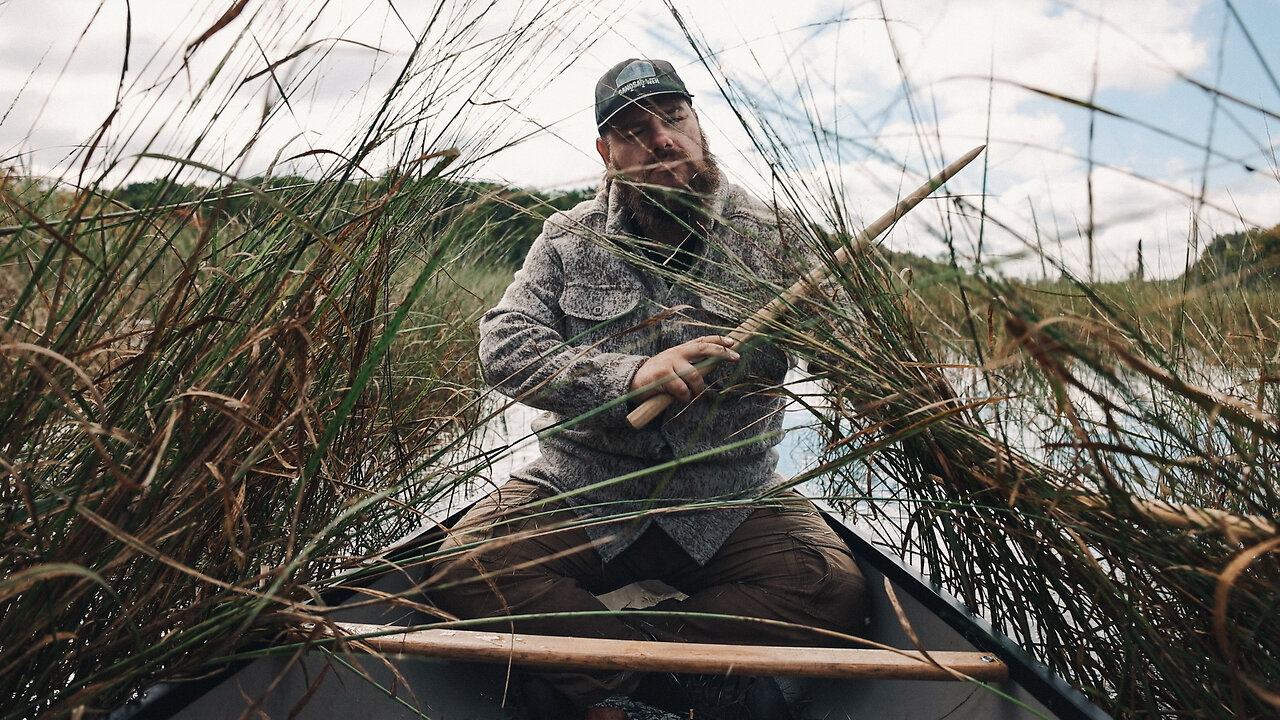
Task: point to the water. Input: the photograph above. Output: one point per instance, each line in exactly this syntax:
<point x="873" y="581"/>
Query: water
<point x="1025" y="418"/>
<point x="510" y="444"/>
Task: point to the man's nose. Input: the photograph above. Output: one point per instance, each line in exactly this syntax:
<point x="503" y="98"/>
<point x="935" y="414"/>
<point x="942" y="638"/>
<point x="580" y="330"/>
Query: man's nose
<point x="660" y="136"/>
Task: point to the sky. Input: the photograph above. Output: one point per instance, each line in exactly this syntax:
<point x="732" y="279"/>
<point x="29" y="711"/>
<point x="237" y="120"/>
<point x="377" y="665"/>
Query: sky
<point x="839" y="107"/>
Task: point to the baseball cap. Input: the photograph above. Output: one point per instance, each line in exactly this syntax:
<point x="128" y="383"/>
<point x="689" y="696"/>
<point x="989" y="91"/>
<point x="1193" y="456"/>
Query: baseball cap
<point x="632" y="80"/>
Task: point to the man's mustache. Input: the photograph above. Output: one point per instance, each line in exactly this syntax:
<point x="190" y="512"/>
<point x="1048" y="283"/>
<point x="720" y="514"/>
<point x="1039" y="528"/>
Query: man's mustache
<point x="665" y="161"/>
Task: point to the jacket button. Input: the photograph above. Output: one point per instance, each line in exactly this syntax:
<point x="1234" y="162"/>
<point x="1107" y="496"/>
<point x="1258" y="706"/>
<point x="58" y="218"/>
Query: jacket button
<point x="599" y="309"/>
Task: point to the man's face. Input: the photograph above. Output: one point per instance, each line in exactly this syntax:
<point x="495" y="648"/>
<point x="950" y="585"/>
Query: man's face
<point x="655" y="142"/>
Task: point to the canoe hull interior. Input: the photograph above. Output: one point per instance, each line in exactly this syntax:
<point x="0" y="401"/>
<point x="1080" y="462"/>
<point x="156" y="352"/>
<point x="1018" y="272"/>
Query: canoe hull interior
<point x="320" y="685"/>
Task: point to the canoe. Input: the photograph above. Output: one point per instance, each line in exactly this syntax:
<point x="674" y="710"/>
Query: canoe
<point x="960" y="669"/>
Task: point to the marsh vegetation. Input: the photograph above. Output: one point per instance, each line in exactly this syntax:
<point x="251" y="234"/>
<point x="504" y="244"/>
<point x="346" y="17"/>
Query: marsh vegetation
<point x="220" y="393"/>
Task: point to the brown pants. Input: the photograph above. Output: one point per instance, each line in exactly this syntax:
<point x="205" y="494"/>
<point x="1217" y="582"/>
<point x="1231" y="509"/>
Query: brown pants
<point x="782" y="563"/>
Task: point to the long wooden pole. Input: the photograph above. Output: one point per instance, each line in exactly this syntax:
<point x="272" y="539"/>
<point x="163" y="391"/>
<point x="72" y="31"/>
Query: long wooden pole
<point x="542" y="651"/>
<point x="651" y="408"/>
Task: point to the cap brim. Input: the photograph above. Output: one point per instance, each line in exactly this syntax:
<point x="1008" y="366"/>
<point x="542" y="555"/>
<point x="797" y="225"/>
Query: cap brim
<point x="633" y="100"/>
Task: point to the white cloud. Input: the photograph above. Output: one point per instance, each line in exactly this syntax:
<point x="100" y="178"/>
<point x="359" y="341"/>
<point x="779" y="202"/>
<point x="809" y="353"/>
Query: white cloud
<point x="804" y="64"/>
<point x="1128" y="46"/>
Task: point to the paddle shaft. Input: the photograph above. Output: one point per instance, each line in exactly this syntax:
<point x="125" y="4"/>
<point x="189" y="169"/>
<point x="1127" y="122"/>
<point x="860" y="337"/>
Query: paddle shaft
<point x="653" y="407"/>
<point x="562" y="653"/>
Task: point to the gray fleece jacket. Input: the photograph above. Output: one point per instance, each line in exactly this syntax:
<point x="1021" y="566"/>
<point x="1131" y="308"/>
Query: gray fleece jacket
<point x="579" y="319"/>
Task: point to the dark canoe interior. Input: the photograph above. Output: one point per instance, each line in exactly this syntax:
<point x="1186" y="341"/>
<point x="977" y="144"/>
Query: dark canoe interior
<point x="324" y="685"/>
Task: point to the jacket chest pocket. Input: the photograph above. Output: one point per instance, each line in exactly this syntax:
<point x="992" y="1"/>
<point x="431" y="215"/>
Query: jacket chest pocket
<point x="721" y="314"/>
<point x="593" y="313"/>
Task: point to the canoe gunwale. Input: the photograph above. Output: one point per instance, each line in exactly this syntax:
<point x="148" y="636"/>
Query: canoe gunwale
<point x="1039" y="681"/>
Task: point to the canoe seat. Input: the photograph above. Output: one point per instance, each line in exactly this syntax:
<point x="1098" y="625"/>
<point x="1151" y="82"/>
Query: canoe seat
<point x="541" y="651"/>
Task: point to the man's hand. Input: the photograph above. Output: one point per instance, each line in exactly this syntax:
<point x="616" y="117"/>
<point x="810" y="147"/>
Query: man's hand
<point x="677" y="363"/>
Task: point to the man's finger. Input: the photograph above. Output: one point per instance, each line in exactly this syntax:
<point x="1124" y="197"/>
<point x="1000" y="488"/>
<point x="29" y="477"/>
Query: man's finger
<point x="725" y="350"/>
<point x="688" y="381"/>
<point x="693" y="380"/>
<point x="704" y="348"/>
<point x="721" y="340"/>
<point x="678" y="390"/>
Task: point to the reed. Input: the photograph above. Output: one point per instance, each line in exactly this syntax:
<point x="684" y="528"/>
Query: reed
<point x="1092" y="466"/>
<point x="217" y="401"/>
<point x="218" y="397"/>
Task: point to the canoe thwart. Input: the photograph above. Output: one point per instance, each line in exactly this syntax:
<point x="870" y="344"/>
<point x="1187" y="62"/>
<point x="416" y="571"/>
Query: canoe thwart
<point x="541" y="651"/>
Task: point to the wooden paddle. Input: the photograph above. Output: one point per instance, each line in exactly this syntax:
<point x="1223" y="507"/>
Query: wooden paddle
<point x="651" y="408"/>
<point x="542" y="651"/>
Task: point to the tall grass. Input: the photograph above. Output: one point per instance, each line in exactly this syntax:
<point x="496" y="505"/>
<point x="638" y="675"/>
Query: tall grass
<point x="205" y="420"/>
<point x="211" y="408"/>
<point x="1091" y="466"/>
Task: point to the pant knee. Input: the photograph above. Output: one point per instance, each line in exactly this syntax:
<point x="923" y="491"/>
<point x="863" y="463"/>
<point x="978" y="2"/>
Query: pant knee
<point x="833" y="588"/>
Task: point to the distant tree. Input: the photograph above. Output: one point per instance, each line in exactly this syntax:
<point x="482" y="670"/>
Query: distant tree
<point x="919" y="266"/>
<point x="507" y="218"/>
<point x="160" y="191"/>
<point x="237" y="202"/>
<point x="1249" y="257"/>
<point x="504" y="219"/>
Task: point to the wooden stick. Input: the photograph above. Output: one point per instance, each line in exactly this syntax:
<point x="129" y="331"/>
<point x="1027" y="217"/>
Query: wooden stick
<point x="651" y="408"/>
<point x="541" y="651"/>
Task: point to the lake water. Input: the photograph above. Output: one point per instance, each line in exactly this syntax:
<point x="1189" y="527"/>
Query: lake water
<point x="1023" y="421"/>
<point x="509" y="443"/>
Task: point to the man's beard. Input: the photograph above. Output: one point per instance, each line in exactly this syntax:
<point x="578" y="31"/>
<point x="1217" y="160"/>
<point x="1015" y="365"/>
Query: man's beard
<point x="661" y="212"/>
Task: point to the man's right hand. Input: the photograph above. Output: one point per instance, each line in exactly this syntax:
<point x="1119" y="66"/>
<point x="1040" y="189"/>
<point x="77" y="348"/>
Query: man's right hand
<point x="675" y="366"/>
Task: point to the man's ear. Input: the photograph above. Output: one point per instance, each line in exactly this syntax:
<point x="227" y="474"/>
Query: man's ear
<point x="602" y="147"/>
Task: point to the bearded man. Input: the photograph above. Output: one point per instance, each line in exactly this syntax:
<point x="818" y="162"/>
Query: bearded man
<point x="620" y="298"/>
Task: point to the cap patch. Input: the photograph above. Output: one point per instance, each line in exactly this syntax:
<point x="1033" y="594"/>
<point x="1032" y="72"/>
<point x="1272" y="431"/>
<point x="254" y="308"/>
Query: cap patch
<point x="636" y="75"/>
